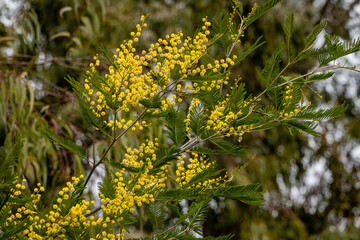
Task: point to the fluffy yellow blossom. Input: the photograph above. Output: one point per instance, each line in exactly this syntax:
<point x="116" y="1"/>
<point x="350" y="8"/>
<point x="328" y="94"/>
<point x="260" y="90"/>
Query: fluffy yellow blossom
<point x="189" y="168"/>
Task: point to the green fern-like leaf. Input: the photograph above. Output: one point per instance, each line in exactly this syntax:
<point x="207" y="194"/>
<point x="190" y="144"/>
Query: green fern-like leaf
<point x="195" y="214"/>
<point x="236" y="98"/>
<point x="304" y="126"/>
<point x="63" y="142"/>
<point x="216" y="38"/>
<point x="179" y="194"/>
<point x="198" y="120"/>
<point x="209" y="77"/>
<point x="221" y="27"/>
<point x="341" y="49"/>
<point x="9" y="153"/>
<point x="108" y="55"/>
<point x="210" y="99"/>
<point x="272" y="66"/>
<point x="276" y="96"/>
<point x="249" y="50"/>
<point x="164" y="156"/>
<point x="230" y="148"/>
<point x="288" y="31"/>
<point x="314" y="33"/>
<point x="205" y="150"/>
<point x="176" y="127"/>
<point x="155" y="212"/>
<point x="107" y="187"/>
<point x="311" y="114"/>
<point x="76" y="85"/>
<point x="247" y="194"/>
<point x="260" y="11"/>
<point x="319" y="77"/>
<point x="315" y="52"/>
<point x="9" y="233"/>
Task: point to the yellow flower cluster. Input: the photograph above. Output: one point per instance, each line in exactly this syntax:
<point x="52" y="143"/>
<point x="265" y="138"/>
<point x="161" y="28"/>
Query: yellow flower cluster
<point x="164" y="67"/>
<point x="19" y="213"/>
<point x="64" y="214"/>
<point x="287" y="102"/>
<point x="221" y="120"/>
<point x="187" y="169"/>
<point x="142" y="186"/>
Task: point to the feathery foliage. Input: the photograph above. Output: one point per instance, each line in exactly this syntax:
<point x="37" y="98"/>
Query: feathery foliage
<point x="63" y="142"/>
<point x="164" y="182"/>
<point x="288" y="31"/>
<point x="175" y="126"/>
<point x="9" y="153"/>
<point x="260" y="11"/>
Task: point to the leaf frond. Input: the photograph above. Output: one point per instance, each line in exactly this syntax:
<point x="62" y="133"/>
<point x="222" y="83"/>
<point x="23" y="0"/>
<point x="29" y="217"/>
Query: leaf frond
<point x="63" y="142"/>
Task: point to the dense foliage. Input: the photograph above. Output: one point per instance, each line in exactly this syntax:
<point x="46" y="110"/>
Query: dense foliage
<point x="176" y="82"/>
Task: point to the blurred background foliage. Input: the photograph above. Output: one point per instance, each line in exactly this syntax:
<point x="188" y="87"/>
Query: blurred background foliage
<point x="311" y="184"/>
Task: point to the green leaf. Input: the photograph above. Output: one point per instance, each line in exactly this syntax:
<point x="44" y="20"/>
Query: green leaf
<point x="272" y="66"/>
<point x="221" y="28"/>
<point x="63" y="142"/>
<point x="175" y="73"/>
<point x="288" y="31"/>
<point x="261" y="10"/>
<point x="174" y="209"/>
<point x="253" y="47"/>
<point x="9" y="154"/>
<point x="236" y="98"/>
<point x="314" y="33"/>
<point x="210" y="99"/>
<point x="108" y="55"/>
<point x="195" y="214"/>
<point x="307" y="127"/>
<point x="247" y="194"/>
<point x="76" y="85"/>
<point x="294" y="131"/>
<point x="164" y="156"/>
<point x="341" y="49"/>
<point x="319" y="77"/>
<point x="311" y="114"/>
<point x="10" y="233"/>
<point x="205" y="150"/>
<point x="176" y="126"/>
<point x="107" y="187"/>
<point x="197" y="121"/>
<point x="155" y="212"/>
<point x="314" y="52"/>
<point x="210" y="77"/>
<point x="230" y="148"/>
<point x="217" y="37"/>
<point x="179" y="194"/>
